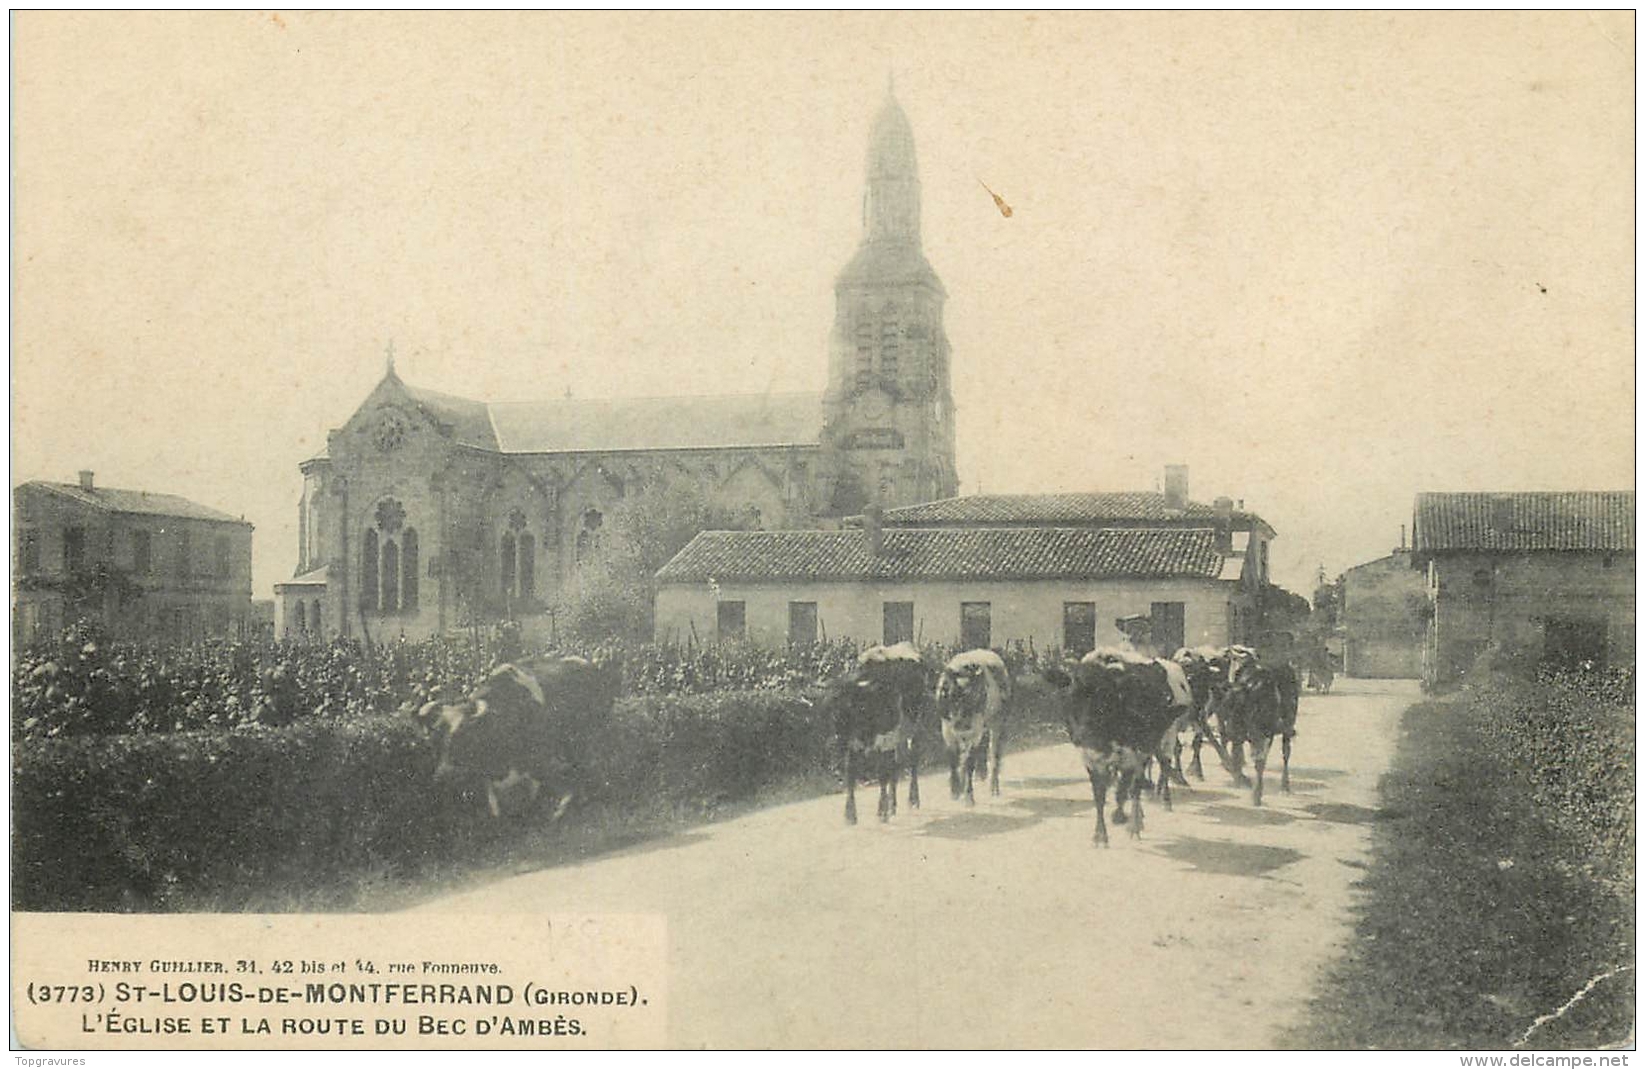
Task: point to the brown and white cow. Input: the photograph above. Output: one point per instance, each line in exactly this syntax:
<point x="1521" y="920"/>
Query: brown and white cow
<point x="974" y="703"/>
<point x="524" y="728"/>
<point x="876" y="709"/>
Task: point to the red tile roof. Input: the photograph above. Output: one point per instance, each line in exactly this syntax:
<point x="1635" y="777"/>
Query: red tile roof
<point x="948" y="554"/>
<point x="1517" y="522"/>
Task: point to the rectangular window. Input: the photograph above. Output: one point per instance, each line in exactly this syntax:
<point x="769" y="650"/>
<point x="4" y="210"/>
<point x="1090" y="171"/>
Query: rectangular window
<point x="74" y="549"/>
<point x="184" y="551"/>
<point x="802" y="622"/>
<point x="1079" y="628"/>
<point x="730" y="620"/>
<point x="1165" y="627"/>
<point x="976" y="625"/>
<point x="142" y="552"/>
<point x="222" y="552"/>
<point x="1567" y="643"/>
<point x="30" y="553"/>
<point x="899" y="622"/>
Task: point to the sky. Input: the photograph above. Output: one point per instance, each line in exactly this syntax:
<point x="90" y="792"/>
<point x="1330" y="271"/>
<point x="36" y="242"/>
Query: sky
<point x="1327" y="260"/>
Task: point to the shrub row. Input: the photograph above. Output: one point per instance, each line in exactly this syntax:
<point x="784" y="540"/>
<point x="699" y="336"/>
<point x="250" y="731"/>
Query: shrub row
<point x="1571" y="736"/>
<point x="85" y="685"/>
<point x="130" y="821"/>
<point x="124" y="822"/>
<point x="121" y="822"/>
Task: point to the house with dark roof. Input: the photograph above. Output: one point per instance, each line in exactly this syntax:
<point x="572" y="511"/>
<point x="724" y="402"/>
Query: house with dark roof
<point x="427" y="511"/>
<point x="1541" y="576"/>
<point x="144" y="564"/>
<point x="1046" y="585"/>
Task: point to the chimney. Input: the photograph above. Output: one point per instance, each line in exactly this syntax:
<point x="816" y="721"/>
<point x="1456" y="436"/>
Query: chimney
<point x="1402" y="536"/>
<point x="1176" y="486"/>
<point x="85" y="479"/>
<point x="871" y="518"/>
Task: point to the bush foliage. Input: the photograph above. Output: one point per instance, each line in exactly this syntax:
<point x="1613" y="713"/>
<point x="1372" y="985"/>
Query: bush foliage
<point x="129" y="822"/>
<point x="142" y="771"/>
<point x="1570" y="734"/>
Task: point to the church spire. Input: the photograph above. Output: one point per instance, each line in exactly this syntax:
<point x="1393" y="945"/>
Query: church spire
<point x="891" y="205"/>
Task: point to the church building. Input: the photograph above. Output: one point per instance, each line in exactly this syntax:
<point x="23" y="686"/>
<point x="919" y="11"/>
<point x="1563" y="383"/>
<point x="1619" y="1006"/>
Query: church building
<point x="425" y="510"/>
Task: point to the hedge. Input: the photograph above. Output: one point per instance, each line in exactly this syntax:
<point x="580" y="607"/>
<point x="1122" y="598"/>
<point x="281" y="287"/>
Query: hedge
<point x="119" y="822"/>
<point x="1571" y="736"/>
<point x="123" y="822"/>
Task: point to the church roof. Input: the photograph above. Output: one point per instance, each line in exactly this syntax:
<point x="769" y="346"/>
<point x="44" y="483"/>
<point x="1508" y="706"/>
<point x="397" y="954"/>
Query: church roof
<point x="670" y="423"/>
<point x="142" y="502"/>
<point x="1088" y="508"/>
<point x="948" y="554"/>
<point x="470" y="422"/>
<point x="315" y="577"/>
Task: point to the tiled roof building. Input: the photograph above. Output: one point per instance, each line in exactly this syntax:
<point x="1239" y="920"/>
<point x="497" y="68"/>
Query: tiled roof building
<point x="146" y="565"/>
<point x="1021" y="572"/>
<point x="1544" y="576"/>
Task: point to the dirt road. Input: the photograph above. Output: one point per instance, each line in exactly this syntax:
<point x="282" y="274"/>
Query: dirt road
<point x="1002" y="926"/>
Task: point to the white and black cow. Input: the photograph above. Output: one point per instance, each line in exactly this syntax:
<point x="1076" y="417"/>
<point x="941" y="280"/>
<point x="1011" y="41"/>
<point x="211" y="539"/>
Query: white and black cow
<point x="974" y="703"/>
<point x="1261" y="703"/>
<point x="1206" y="670"/>
<point x="1119" y="708"/>
<point x="876" y="709"/>
<point x="524" y="728"/>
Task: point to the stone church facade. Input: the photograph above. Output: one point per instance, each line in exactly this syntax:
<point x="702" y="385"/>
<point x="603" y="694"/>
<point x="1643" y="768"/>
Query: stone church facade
<point x="427" y="510"/>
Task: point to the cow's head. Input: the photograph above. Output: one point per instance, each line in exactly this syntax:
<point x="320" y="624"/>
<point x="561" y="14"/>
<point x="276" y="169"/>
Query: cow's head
<point x="962" y="692"/>
<point x="1083" y="689"/>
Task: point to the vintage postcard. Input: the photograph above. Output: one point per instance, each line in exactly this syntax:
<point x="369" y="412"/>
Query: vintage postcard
<point x="822" y="530"/>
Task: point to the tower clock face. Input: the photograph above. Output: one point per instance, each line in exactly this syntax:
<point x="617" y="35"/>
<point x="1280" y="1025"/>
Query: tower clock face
<point x="390" y="431"/>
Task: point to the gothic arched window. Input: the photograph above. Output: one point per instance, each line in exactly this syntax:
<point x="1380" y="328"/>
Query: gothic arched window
<point x="314" y="617"/>
<point x="408" y="569"/>
<point x="528" y="565"/>
<point x="391" y="576"/>
<point x="388" y="561"/>
<point x="368" y="570"/>
<point x="588" y="536"/>
<point x="889" y="342"/>
<point x="301" y="624"/>
<point x="864" y="377"/>
<point x="508" y="559"/>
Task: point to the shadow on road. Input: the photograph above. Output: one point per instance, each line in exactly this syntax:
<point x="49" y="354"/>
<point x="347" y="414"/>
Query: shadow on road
<point x="973" y="826"/>
<point x="1232" y="859"/>
<point x="1315" y="771"/>
<point x="1053" y="806"/>
<point x="1346" y="813"/>
<point x="1247" y="816"/>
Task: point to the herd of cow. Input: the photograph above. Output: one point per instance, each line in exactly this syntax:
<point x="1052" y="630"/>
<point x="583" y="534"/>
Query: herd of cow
<point x="1124" y="712"/>
<point x="521" y="729"/>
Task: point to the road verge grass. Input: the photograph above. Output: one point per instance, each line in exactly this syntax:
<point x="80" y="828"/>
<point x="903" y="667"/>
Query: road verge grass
<point x="1481" y="911"/>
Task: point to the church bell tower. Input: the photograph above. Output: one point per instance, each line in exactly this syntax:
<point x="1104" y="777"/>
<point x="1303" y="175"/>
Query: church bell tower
<point x="888" y="413"/>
